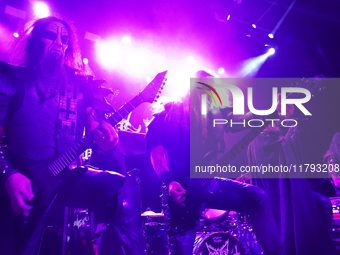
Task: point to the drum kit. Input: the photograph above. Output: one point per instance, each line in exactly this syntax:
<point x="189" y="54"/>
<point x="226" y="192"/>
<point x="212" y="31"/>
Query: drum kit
<point x="219" y="233"/>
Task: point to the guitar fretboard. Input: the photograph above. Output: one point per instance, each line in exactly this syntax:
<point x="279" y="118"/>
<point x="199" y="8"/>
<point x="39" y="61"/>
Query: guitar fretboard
<point x="241" y="145"/>
<point x="70" y="155"/>
<point x="125" y="110"/>
<point x="86" y="142"/>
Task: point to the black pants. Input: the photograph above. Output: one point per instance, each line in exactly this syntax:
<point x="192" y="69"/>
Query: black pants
<point x="232" y="196"/>
<point x="97" y="191"/>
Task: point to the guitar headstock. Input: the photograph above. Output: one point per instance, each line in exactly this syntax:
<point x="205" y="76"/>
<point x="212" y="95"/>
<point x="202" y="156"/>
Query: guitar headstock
<point x="151" y="92"/>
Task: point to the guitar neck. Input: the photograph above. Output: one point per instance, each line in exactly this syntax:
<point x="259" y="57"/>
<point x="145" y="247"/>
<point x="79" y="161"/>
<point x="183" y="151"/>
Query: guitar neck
<point x="122" y="112"/>
<point x="240" y="146"/>
<point x="65" y="159"/>
<point x="226" y="159"/>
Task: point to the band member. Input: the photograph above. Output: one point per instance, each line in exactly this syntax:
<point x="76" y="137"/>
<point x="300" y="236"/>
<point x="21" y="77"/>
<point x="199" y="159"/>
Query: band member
<point x="169" y="138"/>
<point x="44" y="106"/>
<point x="332" y="157"/>
<point x="304" y="217"/>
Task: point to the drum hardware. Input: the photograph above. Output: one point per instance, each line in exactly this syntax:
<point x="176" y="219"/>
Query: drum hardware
<point x="226" y="233"/>
<point x="150" y="213"/>
<point x="230" y="223"/>
<point x="154" y="233"/>
<point x="218" y="243"/>
<point x="213" y="214"/>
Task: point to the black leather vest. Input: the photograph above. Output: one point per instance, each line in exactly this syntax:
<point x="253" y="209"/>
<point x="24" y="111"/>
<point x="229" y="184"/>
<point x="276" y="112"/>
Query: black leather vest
<point x="32" y="126"/>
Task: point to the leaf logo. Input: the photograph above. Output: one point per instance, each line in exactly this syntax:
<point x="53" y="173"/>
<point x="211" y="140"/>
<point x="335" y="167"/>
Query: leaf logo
<point x="213" y="90"/>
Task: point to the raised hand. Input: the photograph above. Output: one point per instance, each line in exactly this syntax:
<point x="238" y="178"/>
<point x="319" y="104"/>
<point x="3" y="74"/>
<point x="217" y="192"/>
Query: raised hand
<point x="106" y="136"/>
<point x="177" y="193"/>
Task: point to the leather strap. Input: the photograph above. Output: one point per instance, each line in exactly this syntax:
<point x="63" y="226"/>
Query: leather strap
<point x="67" y="115"/>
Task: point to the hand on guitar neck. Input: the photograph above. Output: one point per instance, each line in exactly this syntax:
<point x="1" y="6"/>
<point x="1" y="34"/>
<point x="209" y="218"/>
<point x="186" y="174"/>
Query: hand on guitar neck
<point x="105" y="135"/>
<point x="177" y="192"/>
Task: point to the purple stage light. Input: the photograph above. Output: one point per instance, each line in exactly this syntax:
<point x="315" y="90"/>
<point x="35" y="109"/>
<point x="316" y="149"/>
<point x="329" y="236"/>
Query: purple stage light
<point x="190" y="59"/>
<point x="271" y="36"/>
<point x="253" y="25"/>
<point x="109" y="53"/>
<point x="16" y="35"/>
<point x="41" y="10"/>
<point x="251" y="66"/>
<point x="138" y="62"/>
<point x="271" y="51"/>
<point x="92" y="37"/>
<point x="220" y="70"/>
<point x="126" y="39"/>
<point x="85" y="61"/>
<point x="228" y="17"/>
<point x="15" y="12"/>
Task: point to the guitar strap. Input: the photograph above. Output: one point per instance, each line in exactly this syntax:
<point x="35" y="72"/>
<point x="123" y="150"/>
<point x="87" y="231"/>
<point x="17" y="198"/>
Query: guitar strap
<point x="67" y="114"/>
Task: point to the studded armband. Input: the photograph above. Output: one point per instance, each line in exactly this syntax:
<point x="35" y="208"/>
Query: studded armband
<point x="6" y="168"/>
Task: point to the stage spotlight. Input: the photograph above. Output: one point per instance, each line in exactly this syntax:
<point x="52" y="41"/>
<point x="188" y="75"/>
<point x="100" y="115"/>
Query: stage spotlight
<point x="251" y="66"/>
<point x="266" y="45"/>
<point x="190" y="59"/>
<point x="220" y="70"/>
<point x="85" y="61"/>
<point x="16" y="35"/>
<point x="253" y="25"/>
<point x="228" y="17"/>
<point x="41" y="10"/>
<point x="109" y="53"/>
<point x="271" y="51"/>
<point x="126" y="39"/>
<point x="271" y="36"/>
<point x="137" y="61"/>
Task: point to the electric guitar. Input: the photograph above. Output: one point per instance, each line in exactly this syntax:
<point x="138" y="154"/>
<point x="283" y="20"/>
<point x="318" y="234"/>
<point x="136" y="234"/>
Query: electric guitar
<point x="46" y="175"/>
<point x="200" y="190"/>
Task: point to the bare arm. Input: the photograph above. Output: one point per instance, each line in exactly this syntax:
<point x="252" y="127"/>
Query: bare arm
<point x="18" y="187"/>
<point x="160" y="164"/>
<point x="159" y="160"/>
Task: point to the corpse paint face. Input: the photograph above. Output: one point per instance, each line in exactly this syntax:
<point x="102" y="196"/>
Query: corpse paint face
<point x="56" y="39"/>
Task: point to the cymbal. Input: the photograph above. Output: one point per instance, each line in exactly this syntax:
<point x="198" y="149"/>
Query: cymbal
<point x="152" y="214"/>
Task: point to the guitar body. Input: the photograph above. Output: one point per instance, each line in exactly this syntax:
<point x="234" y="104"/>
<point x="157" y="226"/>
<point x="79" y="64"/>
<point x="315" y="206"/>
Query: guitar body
<point x="46" y="187"/>
<point x="44" y="183"/>
<point x="47" y="176"/>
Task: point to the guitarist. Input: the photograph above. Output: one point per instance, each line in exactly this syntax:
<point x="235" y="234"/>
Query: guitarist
<point x="44" y="106"/>
<point x="169" y="138"/>
<point x="304" y="216"/>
